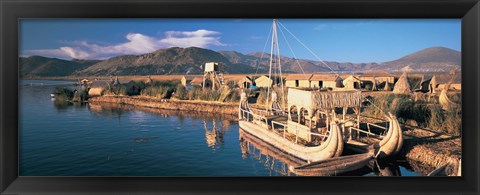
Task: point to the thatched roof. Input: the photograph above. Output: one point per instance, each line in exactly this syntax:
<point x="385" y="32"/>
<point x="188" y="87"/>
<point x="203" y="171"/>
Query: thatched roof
<point x="298" y="77"/>
<point x="196" y="80"/>
<point x="427" y="78"/>
<point x="99" y="84"/>
<point x="149" y="80"/>
<point x="261" y="78"/>
<point x="402" y="86"/>
<point x="324" y="77"/>
<point x="245" y="79"/>
<point x="313" y="99"/>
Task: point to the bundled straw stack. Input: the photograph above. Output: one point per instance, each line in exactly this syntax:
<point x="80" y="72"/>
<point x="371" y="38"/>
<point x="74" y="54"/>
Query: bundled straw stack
<point x="402" y="86"/>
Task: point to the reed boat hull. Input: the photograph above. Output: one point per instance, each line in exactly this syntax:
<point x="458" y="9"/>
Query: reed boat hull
<point x="309" y="154"/>
<point x="267" y="149"/>
<point x="333" y="166"/>
<point x="389" y="146"/>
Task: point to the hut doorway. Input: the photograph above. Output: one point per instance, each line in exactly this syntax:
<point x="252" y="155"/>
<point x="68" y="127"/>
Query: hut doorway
<point x="356" y="85"/>
<point x="320" y="84"/>
<point x="302" y="118"/>
<point x="293" y="113"/>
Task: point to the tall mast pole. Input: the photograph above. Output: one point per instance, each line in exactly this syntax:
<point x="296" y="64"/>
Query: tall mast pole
<point x="274" y="39"/>
<point x="280" y="71"/>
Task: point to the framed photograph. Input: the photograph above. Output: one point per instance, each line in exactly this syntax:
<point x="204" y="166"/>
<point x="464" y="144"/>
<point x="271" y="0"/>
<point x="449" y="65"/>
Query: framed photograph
<point x="239" y="97"/>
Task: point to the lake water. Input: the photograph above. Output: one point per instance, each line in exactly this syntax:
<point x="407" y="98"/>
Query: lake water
<point x="59" y="139"/>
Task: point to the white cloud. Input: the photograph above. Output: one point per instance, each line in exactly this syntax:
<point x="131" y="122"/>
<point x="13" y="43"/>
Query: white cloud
<point x="136" y="44"/>
<point x="75" y="52"/>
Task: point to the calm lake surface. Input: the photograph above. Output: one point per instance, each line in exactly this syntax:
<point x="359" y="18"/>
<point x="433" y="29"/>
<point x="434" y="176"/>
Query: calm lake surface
<point x="59" y="139"/>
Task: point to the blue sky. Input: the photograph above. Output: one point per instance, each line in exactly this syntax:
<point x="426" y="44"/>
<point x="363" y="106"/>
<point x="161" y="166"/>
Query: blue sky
<point x="342" y="40"/>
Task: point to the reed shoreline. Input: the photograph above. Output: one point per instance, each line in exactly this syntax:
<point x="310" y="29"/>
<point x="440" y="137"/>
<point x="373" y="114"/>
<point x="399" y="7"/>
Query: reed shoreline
<point x="426" y="150"/>
<point x="170" y="104"/>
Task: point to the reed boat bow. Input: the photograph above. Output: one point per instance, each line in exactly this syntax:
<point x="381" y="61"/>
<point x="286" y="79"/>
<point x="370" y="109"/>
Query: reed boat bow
<point x="392" y="143"/>
<point x="331" y="147"/>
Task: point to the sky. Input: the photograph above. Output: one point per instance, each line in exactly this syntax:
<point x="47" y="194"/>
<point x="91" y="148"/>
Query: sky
<point x="341" y="40"/>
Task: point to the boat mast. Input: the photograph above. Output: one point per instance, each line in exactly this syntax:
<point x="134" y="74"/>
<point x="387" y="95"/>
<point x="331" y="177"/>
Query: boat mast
<point x="275" y="63"/>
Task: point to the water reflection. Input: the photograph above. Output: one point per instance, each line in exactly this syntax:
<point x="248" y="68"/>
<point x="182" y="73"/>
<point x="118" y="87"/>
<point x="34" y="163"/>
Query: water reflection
<point x="276" y="161"/>
<point x="213" y="136"/>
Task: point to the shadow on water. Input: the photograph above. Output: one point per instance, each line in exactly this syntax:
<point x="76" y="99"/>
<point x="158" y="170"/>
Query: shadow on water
<point x="63" y="105"/>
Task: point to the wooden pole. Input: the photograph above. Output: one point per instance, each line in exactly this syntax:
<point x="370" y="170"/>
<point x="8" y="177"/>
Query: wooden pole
<point x="344" y="112"/>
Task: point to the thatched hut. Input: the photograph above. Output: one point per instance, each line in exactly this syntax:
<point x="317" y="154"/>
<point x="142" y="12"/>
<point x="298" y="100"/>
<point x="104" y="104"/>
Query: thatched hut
<point x="96" y="87"/>
<point x="443" y="79"/>
<point x="402" y="86"/>
<point x="116" y="82"/>
<point x="149" y="80"/>
<point x="428" y="84"/>
<point x="298" y="80"/>
<point x="326" y="81"/>
<point x="378" y="77"/>
<point x="84" y="82"/>
<point x="433" y="84"/>
<point x="197" y="81"/>
<point x="245" y="82"/>
<point x="263" y="81"/>
<point x="185" y="80"/>
<point x="352" y="82"/>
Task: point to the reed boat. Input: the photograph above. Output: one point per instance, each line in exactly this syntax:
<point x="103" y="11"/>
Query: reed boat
<point x="333" y="166"/>
<point x="443" y="99"/>
<point x="309" y="125"/>
<point x="247" y="140"/>
<point x="331" y="147"/>
<point x="283" y="163"/>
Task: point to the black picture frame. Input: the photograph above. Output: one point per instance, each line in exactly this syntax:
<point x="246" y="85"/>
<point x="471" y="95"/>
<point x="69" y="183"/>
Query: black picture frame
<point x="11" y="11"/>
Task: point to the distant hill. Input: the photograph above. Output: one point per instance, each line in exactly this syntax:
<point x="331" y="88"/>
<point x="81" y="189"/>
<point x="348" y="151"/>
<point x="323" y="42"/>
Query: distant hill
<point x="289" y="65"/>
<point x="433" y="59"/>
<point x="177" y="60"/>
<point x="38" y="66"/>
<point x="173" y="60"/>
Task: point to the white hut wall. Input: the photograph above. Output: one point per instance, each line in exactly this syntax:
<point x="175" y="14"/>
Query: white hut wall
<point x="184" y="81"/>
<point x="263" y="82"/>
<point x="291" y="83"/>
<point x="96" y="91"/>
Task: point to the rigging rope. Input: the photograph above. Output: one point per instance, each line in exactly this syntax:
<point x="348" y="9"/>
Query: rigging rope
<point x="263" y="52"/>
<point x="318" y="58"/>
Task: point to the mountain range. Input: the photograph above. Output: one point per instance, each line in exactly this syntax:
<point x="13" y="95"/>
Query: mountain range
<point x="177" y="60"/>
